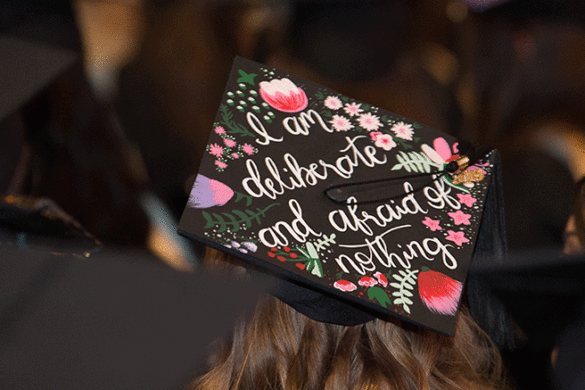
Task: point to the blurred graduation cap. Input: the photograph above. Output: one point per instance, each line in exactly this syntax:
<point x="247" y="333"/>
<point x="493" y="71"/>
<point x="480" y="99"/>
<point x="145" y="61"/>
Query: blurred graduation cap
<point x="559" y="10"/>
<point x="543" y="292"/>
<point x="360" y="212"/>
<point x="27" y="68"/>
<point x="114" y="319"/>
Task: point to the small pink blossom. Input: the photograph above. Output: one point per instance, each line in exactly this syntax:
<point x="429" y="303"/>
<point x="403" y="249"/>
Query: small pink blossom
<point x="460" y="218"/>
<point x="344" y="285"/>
<point x="332" y="103"/>
<point x="341" y="123"/>
<point x="403" y="130"/>
<point x="385" y="142"/>
<point x="432" y="224"/>
<point x="375" y="134"/>
<point x="381" y="278"/>
<point x="466" y="199"/>
<point x="235" y="156"/>
<point x="216" y="150"/>
<point x="230" y="143"/>
<point x="352" y="109"/>
<point x="248" y="149"/>
<point x="219" y="130"/>
<point x="457" y="237"/>
<point x="367" y="281"/>
<point x="369" y="121"/>
<point x="220" y="164"/>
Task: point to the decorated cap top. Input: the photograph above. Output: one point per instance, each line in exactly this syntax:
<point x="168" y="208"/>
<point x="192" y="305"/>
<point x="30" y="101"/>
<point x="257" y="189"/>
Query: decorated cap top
<point x="341" y="198"/>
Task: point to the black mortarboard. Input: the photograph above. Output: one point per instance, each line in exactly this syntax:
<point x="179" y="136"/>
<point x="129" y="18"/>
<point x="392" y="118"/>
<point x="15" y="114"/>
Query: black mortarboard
<point x="361" y="212"/>
<point x="116" y="319"/>
<point x="26" y="69"/>
<point x="543" y="290"/>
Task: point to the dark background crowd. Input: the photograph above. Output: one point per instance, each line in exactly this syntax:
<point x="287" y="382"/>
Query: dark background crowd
<point x="113" y="137"/>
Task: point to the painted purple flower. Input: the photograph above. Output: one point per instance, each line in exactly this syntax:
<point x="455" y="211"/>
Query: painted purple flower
<point x="283" y="95"/>
<point x="208" y="193"/>
<point x="250" y="246"/>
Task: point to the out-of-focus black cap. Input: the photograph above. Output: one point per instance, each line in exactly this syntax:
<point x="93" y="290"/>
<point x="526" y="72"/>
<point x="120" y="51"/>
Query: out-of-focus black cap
<point x="116" y="319"/>
<point x="544" y="291"/>
<point x="558" y="10"/>
<point x="26" y="68"/>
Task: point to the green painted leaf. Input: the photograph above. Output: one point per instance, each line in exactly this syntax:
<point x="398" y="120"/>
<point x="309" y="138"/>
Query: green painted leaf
<point x="378" y="294"/>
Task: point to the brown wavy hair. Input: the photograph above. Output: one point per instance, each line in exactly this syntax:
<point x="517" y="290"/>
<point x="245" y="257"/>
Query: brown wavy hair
<point x="279" y="348"/>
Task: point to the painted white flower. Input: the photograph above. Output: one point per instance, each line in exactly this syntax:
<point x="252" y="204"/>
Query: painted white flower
<point x="333" y="103"/>
<point x="403" y="130"/>
<point x="352" y="109"/>
<point x="341" y="123"/>
<point x="385" y="142"/>
<point x="369" y="121"/>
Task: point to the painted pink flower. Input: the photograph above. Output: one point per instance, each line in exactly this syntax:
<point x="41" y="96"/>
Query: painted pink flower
<point x="235" y="155"/>
<point x="352" y="109"/>
<point x="369" y="121"/>
<point x="382" y="279"/>
<point x="283" y="95"/>
<point x="332" y="103"/>
<point x="220" y="164"/>
<point x="457" y="237"/>
<point x="344" y="285"/>
<point x="248" y="149"/>
<point x="341" y="123"/>
<point x="466" y="199"/>
<point x="367" y="281"/>
<point x="432" y="224"/>
<point x="215" y="150"/>
<point x="385" y="142"/>
<point x="375" y="135"/>
<point x="208" y="192"/>
<point x="219" y="130"/>
<point x="403" y="130"/>
<point x="230" y="143"/>
<point x="460" y="218"/>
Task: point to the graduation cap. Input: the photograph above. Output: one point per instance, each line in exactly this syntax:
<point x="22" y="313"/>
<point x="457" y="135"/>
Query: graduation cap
<point x="543" y="292"/>
<point x="533" y="281"/>
<point x="26" y="69"/>
<point x="116" y="319"/>
<point x="360" y="212"/>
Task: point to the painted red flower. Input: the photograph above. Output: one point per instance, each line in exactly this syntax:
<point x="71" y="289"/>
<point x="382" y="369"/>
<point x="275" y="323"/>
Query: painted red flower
<point x="438" y="292"/>
<point x="283" y="95"/>
<point x="381" y="278"/>
<point x="367" y="281"/>
<point x="344" y="285"/>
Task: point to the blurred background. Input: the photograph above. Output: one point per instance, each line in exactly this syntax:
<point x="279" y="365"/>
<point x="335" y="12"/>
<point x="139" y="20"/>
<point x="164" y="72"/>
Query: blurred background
<point x="113" y="138"/>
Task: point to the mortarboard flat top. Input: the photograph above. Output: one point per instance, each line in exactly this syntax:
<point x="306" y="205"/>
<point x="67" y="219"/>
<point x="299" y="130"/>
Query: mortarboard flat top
<point x="26" y="68"/>
<point x="340" y="197"/>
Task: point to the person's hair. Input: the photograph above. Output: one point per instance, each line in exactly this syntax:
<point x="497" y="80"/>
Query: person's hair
<point x="279" y="348"/>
